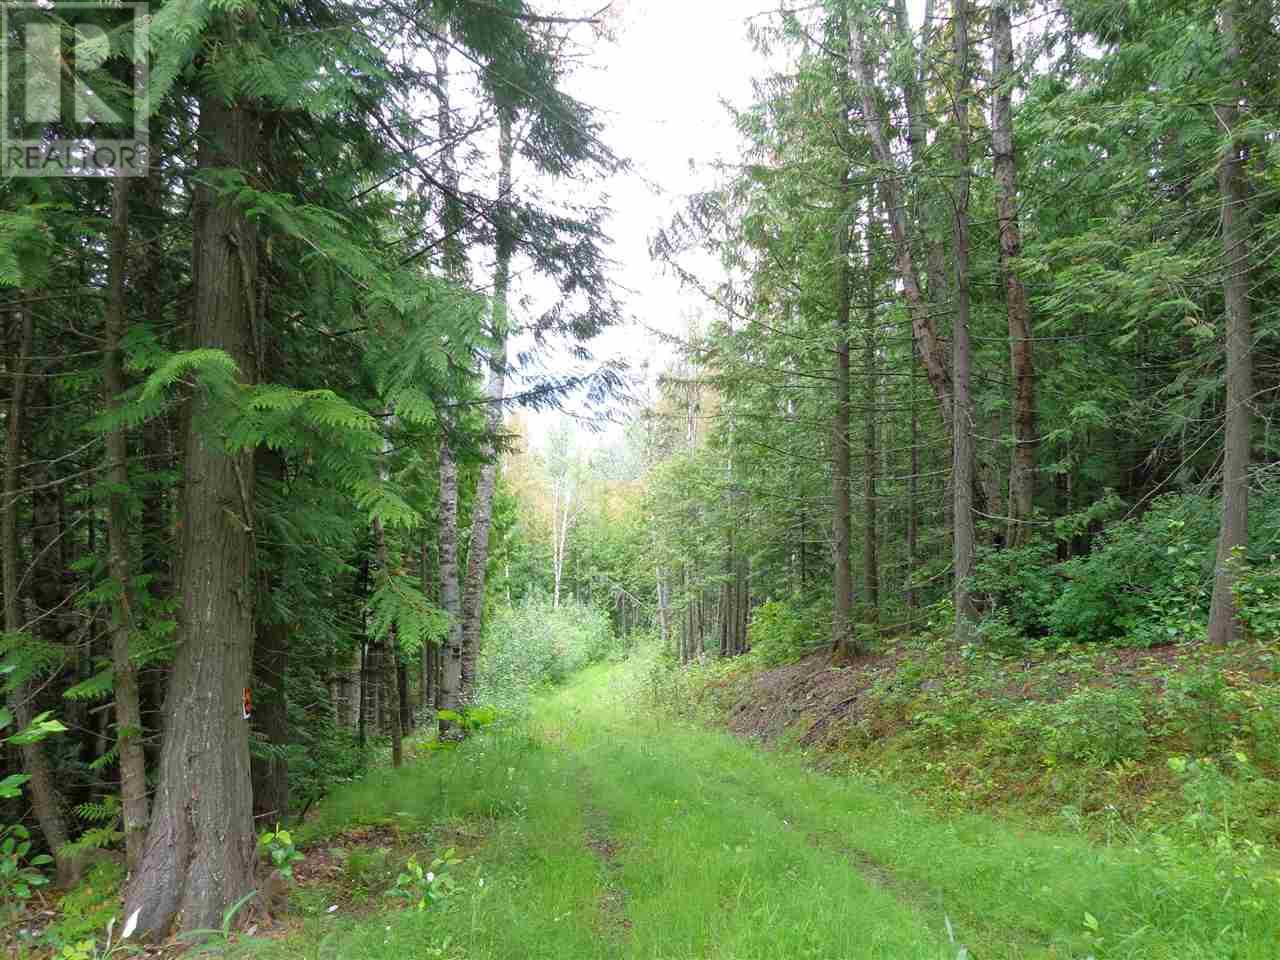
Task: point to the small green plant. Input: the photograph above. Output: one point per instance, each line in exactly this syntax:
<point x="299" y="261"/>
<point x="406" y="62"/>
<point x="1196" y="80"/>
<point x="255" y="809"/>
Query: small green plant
<point x="422" y="887"/>
<point x="471" y="719"/>
<point x="1257" y="591"/>
<point x="87" y="907"/>
<point x="20" y="875"/>
<point x="89" y="949"/>
<point x="1102" y="726"/>
<point x="278" y="846"/>
<point x="214" y="938"/>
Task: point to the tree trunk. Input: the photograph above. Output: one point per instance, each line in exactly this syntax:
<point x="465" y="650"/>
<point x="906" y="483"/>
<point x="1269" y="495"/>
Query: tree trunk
<point x="451" y="653"/>
<point x="271" y="717"/>
<point x="199" y="854"/>
<point x="129" y="732"/>
<point x="932" y="351"/>
<point x="870" y="535"/>
<point x="1022" y="469"/>
<point x="44" y="795"/>
<point x="963" y="436"/>
<point x="482" y="508"/>
<point x="1233" y="537"/>
<point x="913" y="507"/>
<point x="842" y="642"/>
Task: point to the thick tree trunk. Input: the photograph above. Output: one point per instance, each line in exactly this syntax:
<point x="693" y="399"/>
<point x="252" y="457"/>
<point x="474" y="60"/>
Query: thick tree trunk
<point x="44" y="795"/>
<point x="1233" y="537"/>
<point x="482" y="508"/>
<point x="199" y="855"/>
<point x="1022" y="469"/>
<point x="129" y="732"/>
<point x="963" y="437"/>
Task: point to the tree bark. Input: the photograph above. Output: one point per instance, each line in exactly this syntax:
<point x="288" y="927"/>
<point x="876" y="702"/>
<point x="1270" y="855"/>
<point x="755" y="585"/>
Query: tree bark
<point x="871" y="468"/>
<point x="842" y="641"/>
<point x="1233" y="536"/>
<point x="482" y="509"/>
<point x="199" y="854"/>
<point x="1022" y="469"/>
<point x="129" y="732"/>
<point x="963" y="436"/>
<point x="451" y="653"/>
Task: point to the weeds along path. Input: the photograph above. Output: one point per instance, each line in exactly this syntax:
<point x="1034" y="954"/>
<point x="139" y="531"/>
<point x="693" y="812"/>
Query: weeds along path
<point x="603" y="831"/>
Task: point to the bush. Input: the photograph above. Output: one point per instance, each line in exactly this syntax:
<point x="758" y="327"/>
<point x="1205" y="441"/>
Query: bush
<point x="1148" y="583"/>
<point x="1257" y="591"/>
<point x="534" y="644"/>
<point x="1022" y="588"/>
<point x="322" y="755"/>
<point x="1101" y="725"/>
<point x="782" y="631"/>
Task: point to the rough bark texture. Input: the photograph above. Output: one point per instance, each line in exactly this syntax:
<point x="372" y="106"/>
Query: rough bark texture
<point x="199" y="853"/>
<point x="1022" y="469"/>
<point x="482" y="508"/>
<point x="1224" y="624"/>
<point x="133" y="764"/>
<point x="964" y="541"/>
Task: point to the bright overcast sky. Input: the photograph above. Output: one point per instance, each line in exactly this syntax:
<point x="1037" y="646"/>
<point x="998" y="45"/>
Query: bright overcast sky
<point x="659" y="88"/>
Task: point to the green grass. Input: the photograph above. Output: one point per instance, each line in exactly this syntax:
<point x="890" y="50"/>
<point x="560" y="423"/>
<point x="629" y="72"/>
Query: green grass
<point x="603" y="831"/>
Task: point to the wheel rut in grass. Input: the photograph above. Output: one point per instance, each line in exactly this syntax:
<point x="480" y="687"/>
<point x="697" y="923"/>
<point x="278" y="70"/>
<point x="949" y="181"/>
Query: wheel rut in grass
<point x="607" y="848"/>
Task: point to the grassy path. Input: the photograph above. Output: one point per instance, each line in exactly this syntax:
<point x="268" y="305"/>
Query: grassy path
<point x="595" y="834"/>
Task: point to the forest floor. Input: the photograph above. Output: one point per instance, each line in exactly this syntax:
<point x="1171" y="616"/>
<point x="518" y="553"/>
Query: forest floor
<point x="600" y="827"/>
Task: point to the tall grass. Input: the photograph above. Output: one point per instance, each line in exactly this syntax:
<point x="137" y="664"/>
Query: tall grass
<point x="610" y="831"/>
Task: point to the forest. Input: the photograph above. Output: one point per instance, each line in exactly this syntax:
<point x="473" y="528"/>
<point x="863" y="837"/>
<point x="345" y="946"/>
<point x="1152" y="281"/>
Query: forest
<point x="388" y="572"/>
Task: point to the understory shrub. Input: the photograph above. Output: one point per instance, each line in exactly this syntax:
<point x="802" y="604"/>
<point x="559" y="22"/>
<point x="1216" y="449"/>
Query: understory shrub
<point x="534" y="644"/>
<point x="1019" y="584"/>
<point x="1101" y="725"/>
<point x="1148" y="582"/>
<point x="782" y="631"/>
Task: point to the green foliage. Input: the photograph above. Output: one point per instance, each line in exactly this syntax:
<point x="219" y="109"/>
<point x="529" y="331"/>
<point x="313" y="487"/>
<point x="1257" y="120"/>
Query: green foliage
<point x="1200" y="705"/>
<point x="214" y="937"/>
<point x="1022" y="588"/>
<point x="1257" y="592"/>
<point x="471" y="719"/>
<point x="420" y="887"/>
<point x="535" y="644"/>
<point x="20" y="873"/>
<point x="1101" y="725"/>
<point x="321" y="756"/>
<point x="398" y="607"/>
<point x="1148" y="584"/>
<point x="782" y="631"/>
<point x="277" y="846"/>
<point x="86" y="908"/>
